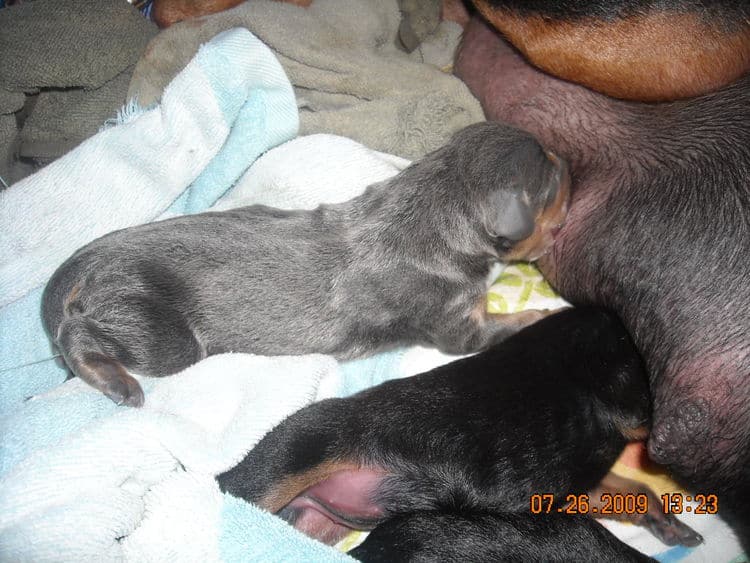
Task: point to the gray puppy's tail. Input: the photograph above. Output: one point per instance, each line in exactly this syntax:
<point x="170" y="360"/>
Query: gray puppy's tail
<point x="83" y="344"/>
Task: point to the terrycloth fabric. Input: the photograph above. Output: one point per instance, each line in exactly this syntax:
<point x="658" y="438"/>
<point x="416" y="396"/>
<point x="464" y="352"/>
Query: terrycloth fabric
<point x="439" y="48"/>
<point x="229" y="105"/>
<point x="10" y="169"/>
<point x="419" y="19"/>
<point x="78" y="56"/>
<point x="310" y="170"/>
<point x="10" y="101"/>
<point x="57" y="36"/>
<point x="349" y="76"/>
<point x="137" y="484"/>
<point x="8" y="132"/>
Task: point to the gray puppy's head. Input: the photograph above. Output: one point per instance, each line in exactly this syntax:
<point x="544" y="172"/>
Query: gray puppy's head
<point x="521" y="190"/>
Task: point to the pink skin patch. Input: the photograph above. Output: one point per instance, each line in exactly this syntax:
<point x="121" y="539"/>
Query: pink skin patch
<point x="343" y="502"/>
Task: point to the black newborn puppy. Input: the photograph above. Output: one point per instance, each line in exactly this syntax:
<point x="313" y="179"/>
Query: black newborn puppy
<point x="548" y="411"/>
<point x="405" y="262"/>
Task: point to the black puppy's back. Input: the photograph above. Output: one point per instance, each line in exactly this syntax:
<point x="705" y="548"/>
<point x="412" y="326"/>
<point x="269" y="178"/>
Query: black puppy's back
<point x="545" y="412"/>
<point x="565" y="395"/>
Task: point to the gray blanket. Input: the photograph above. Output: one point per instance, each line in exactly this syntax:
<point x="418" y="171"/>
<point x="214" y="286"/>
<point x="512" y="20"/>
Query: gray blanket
<point x="69" y="63"/>
<point x="349" y="76"/>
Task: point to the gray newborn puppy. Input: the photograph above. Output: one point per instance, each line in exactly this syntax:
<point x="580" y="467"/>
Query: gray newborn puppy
<point x="406" y="262"/>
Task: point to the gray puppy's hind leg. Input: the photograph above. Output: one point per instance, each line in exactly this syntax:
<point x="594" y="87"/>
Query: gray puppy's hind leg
<point x="480" y="329"/>
<point x="143" y="334"/>
<point x="79" y="340"/>
<point x="492" y="328"/>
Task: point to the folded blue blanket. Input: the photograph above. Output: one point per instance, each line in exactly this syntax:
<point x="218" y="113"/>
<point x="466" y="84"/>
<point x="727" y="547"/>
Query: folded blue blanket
<point x="83" y="479"/>
<point x="229" y="105"/>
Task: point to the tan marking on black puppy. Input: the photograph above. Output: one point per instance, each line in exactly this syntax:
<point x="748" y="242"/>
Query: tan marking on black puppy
<point x="293" y="485"/>
<point x="404" y="263"/>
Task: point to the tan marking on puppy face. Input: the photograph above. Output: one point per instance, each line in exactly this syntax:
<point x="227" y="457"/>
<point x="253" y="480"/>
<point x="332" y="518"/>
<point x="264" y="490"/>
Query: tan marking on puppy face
<point x="547" y="223"/>
<point x="655" y="56"/>
<point x="290" y="487"/>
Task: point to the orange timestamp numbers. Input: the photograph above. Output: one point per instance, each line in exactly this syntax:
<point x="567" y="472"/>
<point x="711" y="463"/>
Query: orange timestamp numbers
<point x="608" y="504"/>
<point x="677" y="503"/>
<point x="612" y="504"/>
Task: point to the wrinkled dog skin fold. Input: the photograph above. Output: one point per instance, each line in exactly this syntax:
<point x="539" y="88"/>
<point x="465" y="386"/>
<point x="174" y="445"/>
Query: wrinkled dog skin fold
<point x="658" y="231"/>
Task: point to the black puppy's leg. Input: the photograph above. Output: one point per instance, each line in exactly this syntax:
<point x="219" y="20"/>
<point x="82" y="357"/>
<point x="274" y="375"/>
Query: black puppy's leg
<point x="666" y="527"/>
<point x="462" y="438"/>
<point x="522" y="537"/>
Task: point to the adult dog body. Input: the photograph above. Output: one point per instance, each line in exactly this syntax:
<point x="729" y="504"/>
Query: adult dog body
<point x="659" y="230"/>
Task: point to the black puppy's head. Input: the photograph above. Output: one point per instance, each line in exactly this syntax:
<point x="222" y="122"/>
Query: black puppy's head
<point x="521" y="188"/>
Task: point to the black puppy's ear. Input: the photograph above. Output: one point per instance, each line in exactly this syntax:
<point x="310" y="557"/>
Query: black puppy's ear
<point x="509" y="217"/>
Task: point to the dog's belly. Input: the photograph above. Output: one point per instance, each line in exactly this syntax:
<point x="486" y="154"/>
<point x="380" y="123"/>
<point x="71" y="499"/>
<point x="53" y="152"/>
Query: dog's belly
<point x="642" y="237"/>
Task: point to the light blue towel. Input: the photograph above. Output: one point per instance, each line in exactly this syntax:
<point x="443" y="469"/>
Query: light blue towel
<point x="70" y="458"/>
<point x="65" y="452"/>
<point x="83" y="479"/>
<point x="240" y="542"/>
<point x="229" y="105"/>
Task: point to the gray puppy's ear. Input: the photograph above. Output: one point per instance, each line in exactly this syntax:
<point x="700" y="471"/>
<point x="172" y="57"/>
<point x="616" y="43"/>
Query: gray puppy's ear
<point x="509" y="217"/>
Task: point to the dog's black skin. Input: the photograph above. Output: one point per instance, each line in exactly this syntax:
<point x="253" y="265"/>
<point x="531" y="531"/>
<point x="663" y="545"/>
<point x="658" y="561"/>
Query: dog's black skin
<point x="406" y="262"/>
<point x="659" y="231"/>
<point x="546" y="411"/>
<point x="424" y="537"/>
